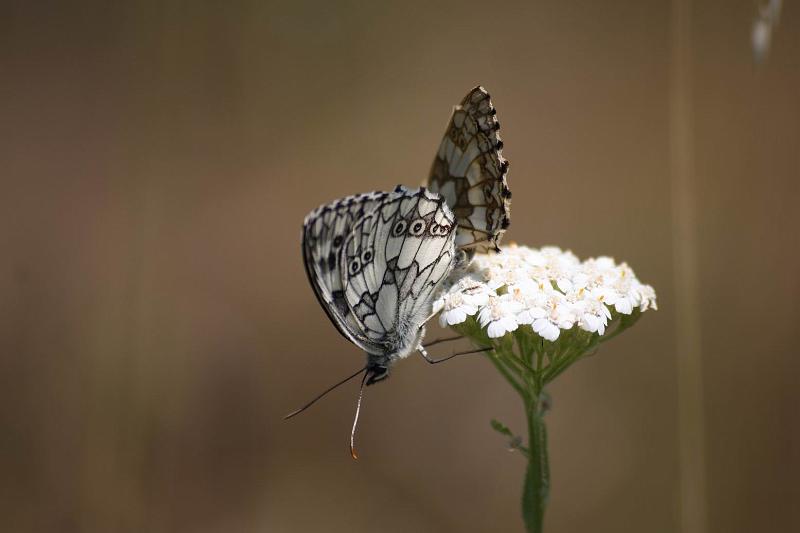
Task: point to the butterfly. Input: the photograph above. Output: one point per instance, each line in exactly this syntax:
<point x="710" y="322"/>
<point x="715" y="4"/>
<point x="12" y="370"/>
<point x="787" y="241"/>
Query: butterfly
<point x="377" y="260"/>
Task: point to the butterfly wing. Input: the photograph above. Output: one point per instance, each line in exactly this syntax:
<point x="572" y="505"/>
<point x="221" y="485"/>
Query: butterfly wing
<point x="470" y="173"/>
<point x="324" y="232"/>
<point x="393" y="261"/>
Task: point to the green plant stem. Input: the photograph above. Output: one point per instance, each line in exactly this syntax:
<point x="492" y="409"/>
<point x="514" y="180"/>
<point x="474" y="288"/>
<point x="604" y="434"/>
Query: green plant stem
<point x="495" y="359"/>
<point x="537" y="477"/>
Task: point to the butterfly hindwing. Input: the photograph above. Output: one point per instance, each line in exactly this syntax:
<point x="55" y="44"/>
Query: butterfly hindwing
<point x="469" y="171"/>
<point x="394" y="260"/>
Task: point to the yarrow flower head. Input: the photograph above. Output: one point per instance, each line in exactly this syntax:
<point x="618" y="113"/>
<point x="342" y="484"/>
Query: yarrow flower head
<point x="548" y="290"/>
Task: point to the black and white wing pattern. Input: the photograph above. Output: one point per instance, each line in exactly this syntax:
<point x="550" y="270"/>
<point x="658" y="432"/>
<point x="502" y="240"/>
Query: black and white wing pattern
<point x="324" y="233"/>
<point x="470" y="173"/>
<point x="393" y="262"/>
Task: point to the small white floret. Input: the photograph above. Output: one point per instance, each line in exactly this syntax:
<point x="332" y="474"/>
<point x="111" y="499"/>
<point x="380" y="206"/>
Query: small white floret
<point x="498" y="316"/>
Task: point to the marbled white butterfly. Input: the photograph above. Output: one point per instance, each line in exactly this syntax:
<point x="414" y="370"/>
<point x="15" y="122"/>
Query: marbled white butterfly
<point x="376" y="260"/>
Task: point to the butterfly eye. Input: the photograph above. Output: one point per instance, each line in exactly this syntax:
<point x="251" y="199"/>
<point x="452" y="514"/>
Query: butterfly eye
<point x="366" y="256"/>
<point x="337" y="242"/>
<point x="417" y="227"/>
<point x="355" y="267"/>
<point x="399" y="228"/>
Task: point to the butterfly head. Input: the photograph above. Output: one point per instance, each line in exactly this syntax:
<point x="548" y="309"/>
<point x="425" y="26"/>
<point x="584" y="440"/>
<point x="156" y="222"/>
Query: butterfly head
<point x="376" y="372"/>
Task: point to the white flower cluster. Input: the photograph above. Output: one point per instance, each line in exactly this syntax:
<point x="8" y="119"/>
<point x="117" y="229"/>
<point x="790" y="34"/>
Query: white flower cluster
<point x="547" y="289"/>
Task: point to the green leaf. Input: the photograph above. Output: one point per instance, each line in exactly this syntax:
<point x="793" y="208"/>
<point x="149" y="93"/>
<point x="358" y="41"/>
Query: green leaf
<point x="514" y="442"/>
<point x="501" y="428"/>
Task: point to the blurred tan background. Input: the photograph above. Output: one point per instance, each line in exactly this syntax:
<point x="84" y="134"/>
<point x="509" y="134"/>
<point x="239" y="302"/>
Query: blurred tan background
<point x="158" y="159"/>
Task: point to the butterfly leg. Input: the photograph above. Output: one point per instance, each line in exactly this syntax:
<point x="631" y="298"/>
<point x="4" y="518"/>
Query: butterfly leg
<point x="428" y="358"/>
<point x="439" y="341"/>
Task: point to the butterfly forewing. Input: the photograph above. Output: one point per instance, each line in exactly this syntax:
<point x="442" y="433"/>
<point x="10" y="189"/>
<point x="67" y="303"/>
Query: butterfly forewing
<point x="470" y="172"/>
<point x="394" y="260"/>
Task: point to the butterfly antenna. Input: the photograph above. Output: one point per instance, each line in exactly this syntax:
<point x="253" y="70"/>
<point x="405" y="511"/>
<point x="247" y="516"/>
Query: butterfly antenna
<point x="312" y="402"/>
<point x="355" y="419"/>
